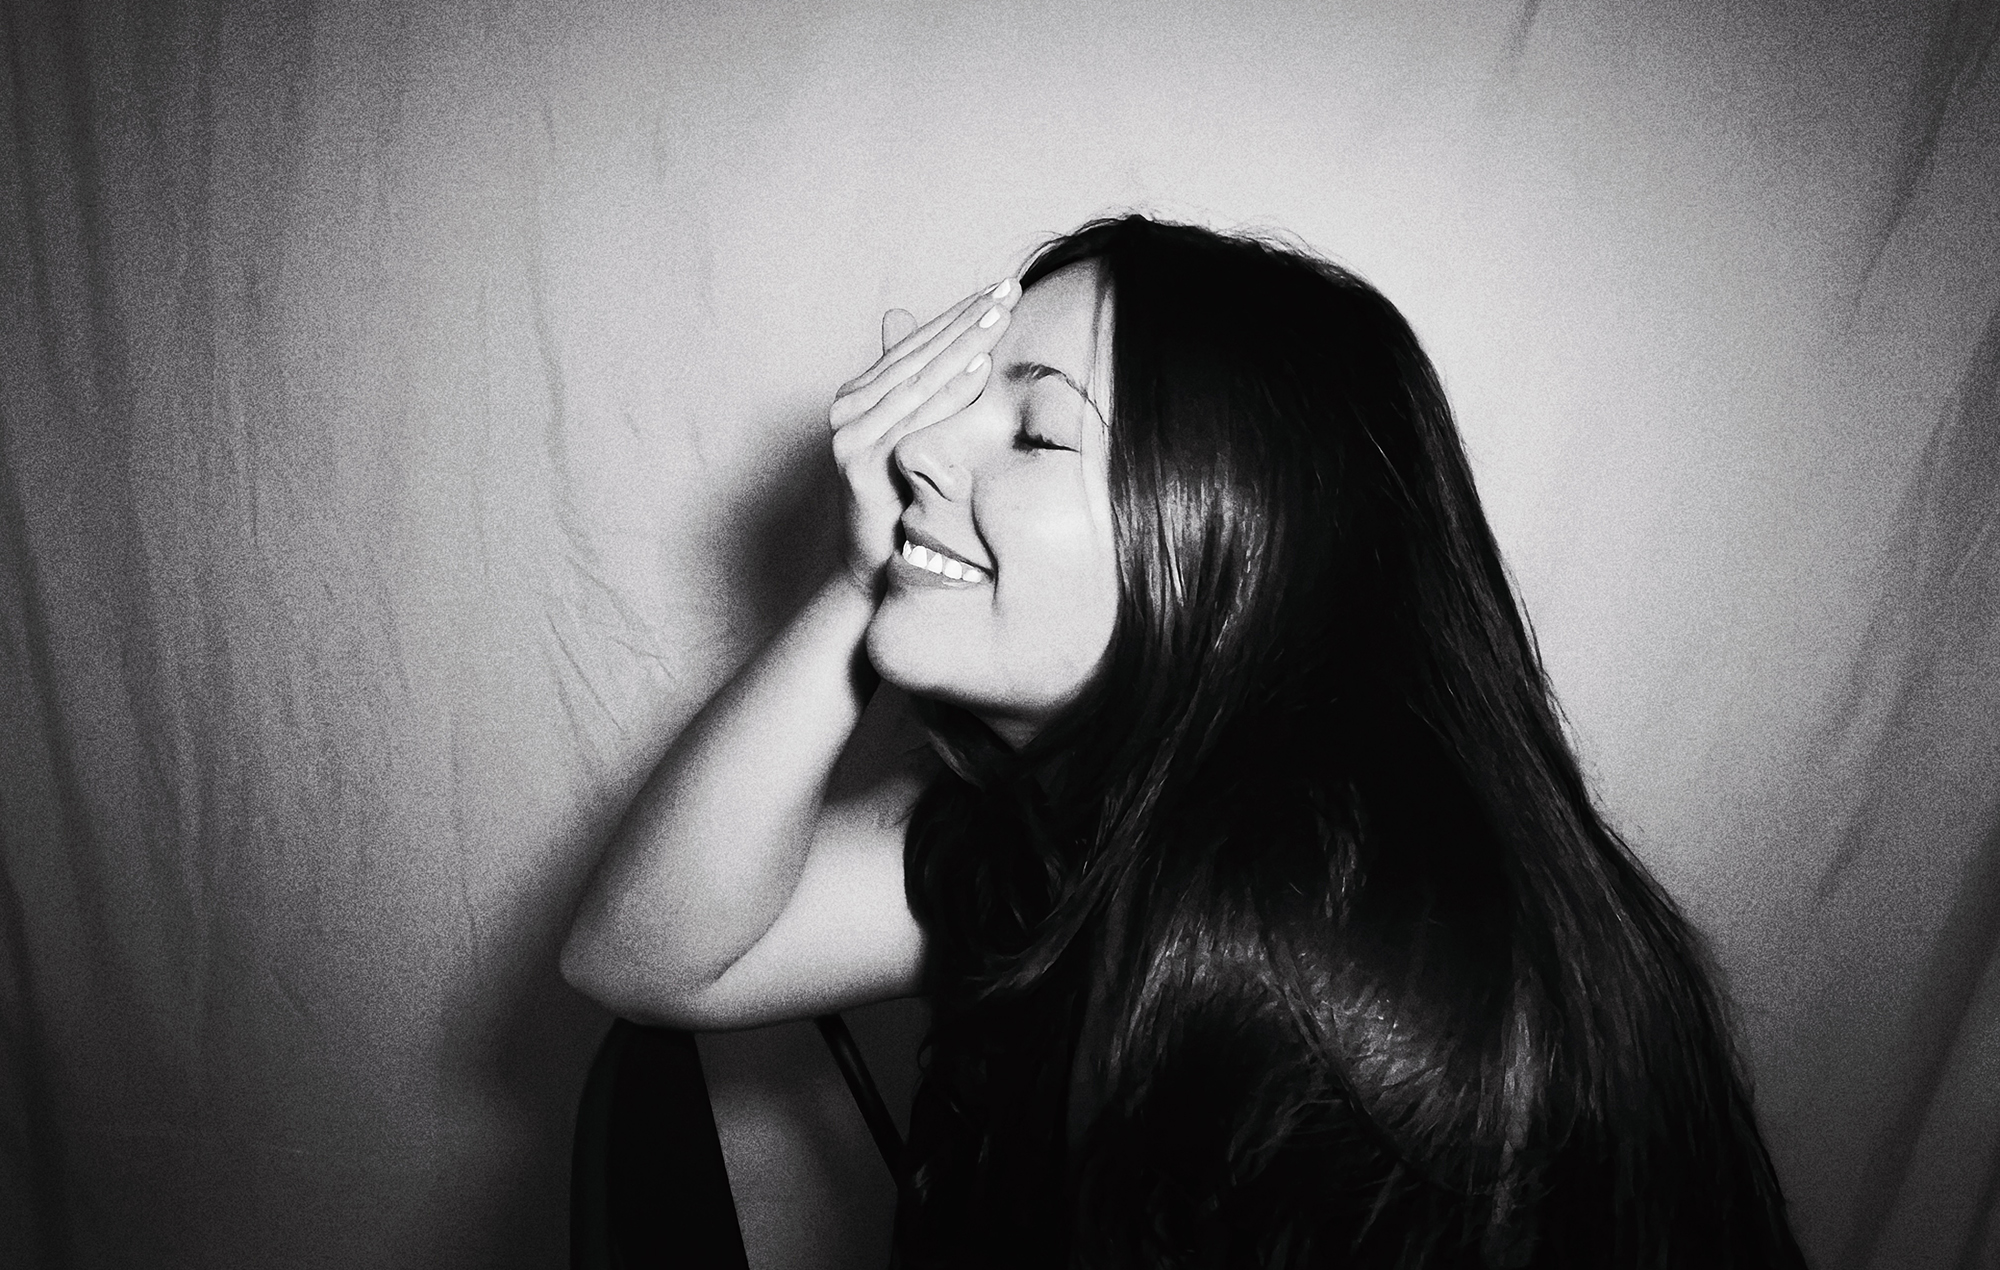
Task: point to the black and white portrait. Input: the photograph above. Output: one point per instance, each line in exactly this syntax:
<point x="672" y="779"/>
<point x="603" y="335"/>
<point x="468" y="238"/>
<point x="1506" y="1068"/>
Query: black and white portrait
<point x="832" y="633"/>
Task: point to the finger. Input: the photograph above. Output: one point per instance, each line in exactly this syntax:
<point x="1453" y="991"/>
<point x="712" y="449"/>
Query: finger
<point x="936" y="332"/>
<point x="909" y="356"/>
<point x="909" y="341"/>
<point x="1005" y="293"/>
<point x="968" y="349"/>
<point x="952" y="396"/>
<point x="897" y="326"/>
<point x="989" y="319"/>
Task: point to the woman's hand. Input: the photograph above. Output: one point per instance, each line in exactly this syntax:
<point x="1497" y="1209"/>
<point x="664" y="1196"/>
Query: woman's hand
<point x="734" y="893"/>
<point x="924" y="375"/>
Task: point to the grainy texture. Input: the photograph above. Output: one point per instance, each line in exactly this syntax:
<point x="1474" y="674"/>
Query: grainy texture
<point x="410" y="413"/>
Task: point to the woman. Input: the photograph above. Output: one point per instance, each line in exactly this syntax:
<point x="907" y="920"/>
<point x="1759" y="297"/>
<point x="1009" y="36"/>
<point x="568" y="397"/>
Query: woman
<point x="1264" y="913"/>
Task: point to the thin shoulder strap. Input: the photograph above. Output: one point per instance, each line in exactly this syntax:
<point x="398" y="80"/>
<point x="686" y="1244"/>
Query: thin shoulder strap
<point x="881" y="1126"/>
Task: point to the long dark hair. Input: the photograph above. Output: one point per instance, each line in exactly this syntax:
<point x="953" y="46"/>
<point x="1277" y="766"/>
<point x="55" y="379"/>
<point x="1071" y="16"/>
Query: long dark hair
<point x="1308" y="888"/>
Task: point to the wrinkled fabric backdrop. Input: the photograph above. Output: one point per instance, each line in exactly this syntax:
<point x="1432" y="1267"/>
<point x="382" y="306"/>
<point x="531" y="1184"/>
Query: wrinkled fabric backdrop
<point x="410" y="414"/>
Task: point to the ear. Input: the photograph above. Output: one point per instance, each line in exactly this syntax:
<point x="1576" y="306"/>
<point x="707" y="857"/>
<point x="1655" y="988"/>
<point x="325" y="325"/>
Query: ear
<point x="897" y="324"/>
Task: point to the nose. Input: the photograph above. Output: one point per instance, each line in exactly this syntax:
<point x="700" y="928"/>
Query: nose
<point x="934" y="458"/>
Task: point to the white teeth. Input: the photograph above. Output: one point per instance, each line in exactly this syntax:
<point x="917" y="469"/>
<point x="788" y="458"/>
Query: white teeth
<point x="938" y="562"/>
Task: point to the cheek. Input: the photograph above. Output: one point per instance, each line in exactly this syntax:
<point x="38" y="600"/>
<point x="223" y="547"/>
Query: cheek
<point x="1029" y="642"/>
<point x="1056" y="598"/>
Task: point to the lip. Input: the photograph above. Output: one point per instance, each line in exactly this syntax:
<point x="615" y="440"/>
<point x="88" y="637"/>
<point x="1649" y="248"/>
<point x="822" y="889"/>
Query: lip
<point x="917" y="534"/>
<point x="908" y="574"/>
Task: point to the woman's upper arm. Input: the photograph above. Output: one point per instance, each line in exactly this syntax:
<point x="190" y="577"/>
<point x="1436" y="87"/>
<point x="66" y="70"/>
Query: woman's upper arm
<point x="845" y="938"/>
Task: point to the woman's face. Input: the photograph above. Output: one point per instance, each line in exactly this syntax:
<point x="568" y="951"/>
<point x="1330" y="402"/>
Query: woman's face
<point x="1013" y="487"/>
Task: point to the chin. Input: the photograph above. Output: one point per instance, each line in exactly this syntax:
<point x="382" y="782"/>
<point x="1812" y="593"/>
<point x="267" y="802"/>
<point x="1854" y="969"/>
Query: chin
<point x="926" y="657"/>
<point x="913" y="654"/>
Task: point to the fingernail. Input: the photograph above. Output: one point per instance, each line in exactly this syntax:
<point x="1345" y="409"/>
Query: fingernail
<point x="1000" y="289"/>
<point x="992" y="316"/>
<point x="977" y="364"/>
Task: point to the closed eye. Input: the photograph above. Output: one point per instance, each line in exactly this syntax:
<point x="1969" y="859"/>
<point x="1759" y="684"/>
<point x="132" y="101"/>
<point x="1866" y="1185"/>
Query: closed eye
<point x="1026" y="440"/>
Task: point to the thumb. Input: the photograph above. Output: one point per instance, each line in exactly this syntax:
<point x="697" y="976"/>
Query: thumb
<point x="897" y="324"/>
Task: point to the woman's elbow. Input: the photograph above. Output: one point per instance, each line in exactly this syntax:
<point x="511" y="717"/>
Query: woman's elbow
<point x="628" y="989"/>
<point x="584" y="968"/>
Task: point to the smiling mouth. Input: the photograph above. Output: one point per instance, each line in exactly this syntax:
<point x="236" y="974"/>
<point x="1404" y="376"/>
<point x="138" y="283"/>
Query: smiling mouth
<point x="949" y="566"/>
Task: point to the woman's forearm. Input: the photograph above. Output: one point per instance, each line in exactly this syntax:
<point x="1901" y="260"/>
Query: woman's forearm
<point x="713" y="851"/>
<point x="712" y="848"/>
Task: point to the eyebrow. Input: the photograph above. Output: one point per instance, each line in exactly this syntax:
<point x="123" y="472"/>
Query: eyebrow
<point x="1035" y="372"/>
